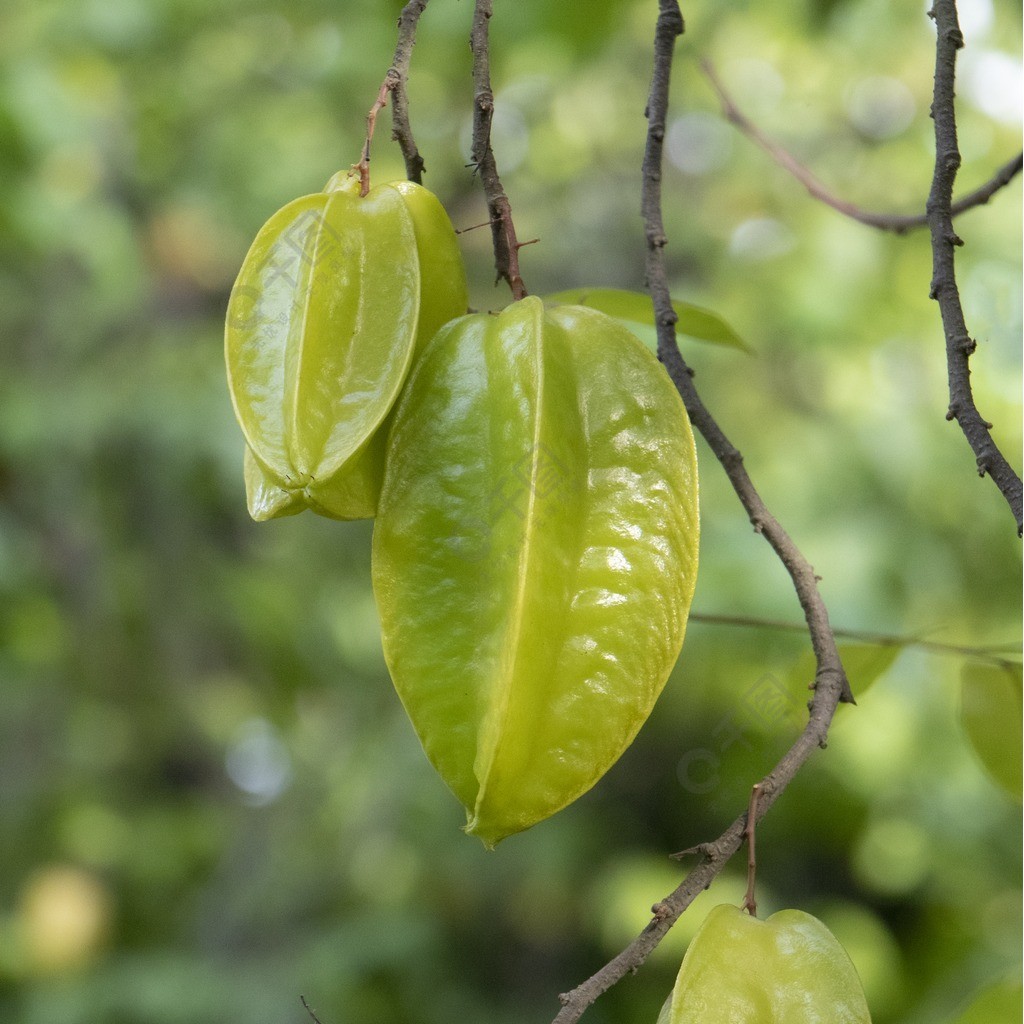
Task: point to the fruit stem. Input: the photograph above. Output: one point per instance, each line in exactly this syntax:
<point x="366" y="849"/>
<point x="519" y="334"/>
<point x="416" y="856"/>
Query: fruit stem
<point x="749" y="900"/>
<point x="391" y="80"/>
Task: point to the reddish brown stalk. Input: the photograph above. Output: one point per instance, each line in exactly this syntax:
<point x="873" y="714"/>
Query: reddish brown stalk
<point x="750" y="900"/>
<point x="391" y="80"/>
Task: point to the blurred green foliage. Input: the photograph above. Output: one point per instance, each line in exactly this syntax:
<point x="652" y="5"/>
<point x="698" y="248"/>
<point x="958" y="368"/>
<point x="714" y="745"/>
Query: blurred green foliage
<point x="210" y="799"/>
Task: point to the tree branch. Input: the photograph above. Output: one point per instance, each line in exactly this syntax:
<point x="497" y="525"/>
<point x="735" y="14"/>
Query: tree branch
<point x="830" y="685"/>
<point x="503" y="232"/>
<point x="802" y="574"/>
<point x="401" y="130"/>
<point x="959" y="344"/>
<point x="897" y="223"/>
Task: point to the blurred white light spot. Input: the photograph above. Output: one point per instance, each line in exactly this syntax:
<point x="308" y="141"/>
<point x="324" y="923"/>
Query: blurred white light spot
<point x="975" y="17"/>
<point x="258" y="762"/>
<point x="756" y="85"/>
<point x="698" y="143"/>
<point x="510" y="138"/>
<point x="761" y="238"/>
<point x="994" y="83"/>
<point x="880" y="107"/>
<point x="893" y="856"/>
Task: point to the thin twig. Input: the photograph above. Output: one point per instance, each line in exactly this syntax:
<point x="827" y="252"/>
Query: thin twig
<point x="503" y="231"/>
<point x="959" y="344"/>
<point x="990" y="653"/>
<point x="749" y="833"/>
<point x="830" y="682"/>
<point x="363" y="167"/>
<point x="897" y="223"/>
<point x="309" y="1010"/>
<point x="401" y="130"/>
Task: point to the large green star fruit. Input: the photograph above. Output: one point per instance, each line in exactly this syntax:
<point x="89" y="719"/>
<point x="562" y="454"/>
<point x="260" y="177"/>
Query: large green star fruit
<point x="336" y="295"/>
<point x="789" y="969"/>
<point x="534" y="554"/>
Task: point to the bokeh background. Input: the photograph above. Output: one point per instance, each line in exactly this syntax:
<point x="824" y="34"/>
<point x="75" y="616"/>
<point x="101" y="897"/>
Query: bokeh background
<point x="211" y="801"/>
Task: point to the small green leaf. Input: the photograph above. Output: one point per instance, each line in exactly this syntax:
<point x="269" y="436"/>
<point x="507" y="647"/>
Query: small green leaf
<point x="634" y="308"/>
<point x="990" y="712"/>
<point x="864" y="664"/>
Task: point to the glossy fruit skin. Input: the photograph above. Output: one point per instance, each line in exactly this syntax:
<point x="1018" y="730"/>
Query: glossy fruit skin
<point x="334" y="298"/>
<point x="534" y="554"/>
<point x="788" y="969"/>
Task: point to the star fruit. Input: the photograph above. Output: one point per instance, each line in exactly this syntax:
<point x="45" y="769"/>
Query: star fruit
<point x="335" y="297"/>
<point x="534" y="554"/>
<point x="788" y="969"/>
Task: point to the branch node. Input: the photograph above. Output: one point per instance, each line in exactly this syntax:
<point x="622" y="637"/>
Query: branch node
<point x="661" y="911"/>
<point x="700" y="850"/>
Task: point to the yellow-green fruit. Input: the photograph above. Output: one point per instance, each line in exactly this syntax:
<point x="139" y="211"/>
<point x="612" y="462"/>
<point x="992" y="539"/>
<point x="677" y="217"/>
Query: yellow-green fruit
<point x="789" y="969"/>
<point x="335" y="296"/>
<point x="534" y="554"/>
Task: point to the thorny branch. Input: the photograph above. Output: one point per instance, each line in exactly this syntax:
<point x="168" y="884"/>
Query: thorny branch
<point x="830" y="685"/>
<point x="897" y="223"/>
<point x="503" y="232"/>
<point x="401" y="130"/>
<point x="959" y="344"/>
